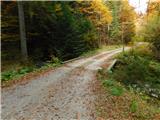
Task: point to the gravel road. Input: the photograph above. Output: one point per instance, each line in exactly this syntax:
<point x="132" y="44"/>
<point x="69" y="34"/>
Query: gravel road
<point x="63" y="94"/>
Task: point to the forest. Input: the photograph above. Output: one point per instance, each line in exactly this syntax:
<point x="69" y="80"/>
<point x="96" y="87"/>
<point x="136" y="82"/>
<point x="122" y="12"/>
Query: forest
<point x="66" y="30"/>
<point x="40" y="36"/>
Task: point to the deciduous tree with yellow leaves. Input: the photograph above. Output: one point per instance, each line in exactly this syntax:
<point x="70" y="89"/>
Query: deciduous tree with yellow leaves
<point x="99" y="15"/>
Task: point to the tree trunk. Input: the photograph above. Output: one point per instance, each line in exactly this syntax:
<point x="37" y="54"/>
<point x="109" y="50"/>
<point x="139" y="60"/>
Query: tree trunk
<point x="22" y="31"/>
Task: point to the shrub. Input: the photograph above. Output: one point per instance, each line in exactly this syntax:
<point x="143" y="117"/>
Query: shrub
<point x="137" y="66"/>
<point x="7" y="75"/>
<point x="108" y="83"/>
<point x="113" y="87"/>
<point x="117" y="91"/>
<point x="25" y="70"/>
<point x="139" y="70"/>
<point x="55" y="60"/>
<point x="15" y="73"/>
<point x="133" y="106"/>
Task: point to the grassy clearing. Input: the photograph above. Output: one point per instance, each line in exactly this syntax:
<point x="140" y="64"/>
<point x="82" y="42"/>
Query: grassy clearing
<point x="132" y="87"/>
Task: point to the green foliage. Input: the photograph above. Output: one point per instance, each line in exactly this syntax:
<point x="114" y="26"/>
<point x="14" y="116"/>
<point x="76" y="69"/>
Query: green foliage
<point x="128" y="102"/>
<point x="114" y="88"/>
<point x="15" y="73"/>
<point x="25" y="70"/>
<point x="53" y="28"/>
<point x="55" y="60"/>
<point x="139" y="69"/>
<point x="63" y="29"/>
<point x="134" y="106"/>
<point x="138" y="38"/>
<point x="115" y="27"/>
<point x="7" y="75"/>
<point x="117" y="91"/>
<point x="151" y="30"/>
<point x="108" y="83"/>
<point x="123" y="21"/>
<point x="137" y="66"/>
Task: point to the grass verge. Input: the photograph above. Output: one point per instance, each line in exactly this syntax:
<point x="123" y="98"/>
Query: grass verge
<point x="26" y="71"/>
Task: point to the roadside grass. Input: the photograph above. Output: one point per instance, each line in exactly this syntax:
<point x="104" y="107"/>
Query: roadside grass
<point x="23" y="69"/>
<point x="15" y="69"/>
<point x="15" y="73"/>
<point x="132" y="87"/>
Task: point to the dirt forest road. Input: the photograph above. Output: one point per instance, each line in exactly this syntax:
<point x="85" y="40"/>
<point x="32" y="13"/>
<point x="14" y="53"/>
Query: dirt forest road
<point x="63" y="94"/>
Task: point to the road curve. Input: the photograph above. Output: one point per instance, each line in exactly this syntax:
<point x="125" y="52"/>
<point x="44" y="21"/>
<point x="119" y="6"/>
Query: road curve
<point x="63" y="94"/>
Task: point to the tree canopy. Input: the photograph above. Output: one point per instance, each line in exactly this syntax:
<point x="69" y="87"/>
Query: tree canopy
<point x="65" y="29"/>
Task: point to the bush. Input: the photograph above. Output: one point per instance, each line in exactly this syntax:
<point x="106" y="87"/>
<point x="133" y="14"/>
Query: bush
<point x="55" y="60"/>
<point x="117" y="91"/>
<point x="140" y="70"/>
<point x="113" y="87"/>
<point x="137" y="66"/>
<point x="7" y="75"/>
<point x="25" y="70"/>
<point x="108" y="83"/>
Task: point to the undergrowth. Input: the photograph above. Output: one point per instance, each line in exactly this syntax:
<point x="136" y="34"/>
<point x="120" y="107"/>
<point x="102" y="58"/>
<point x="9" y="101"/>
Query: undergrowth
<point x="124" y="103"/>
<point x="139" y="69"/>
<point x="135" y="80"/>
<point x="13" y="71"/>
<point x="24" y="69"/>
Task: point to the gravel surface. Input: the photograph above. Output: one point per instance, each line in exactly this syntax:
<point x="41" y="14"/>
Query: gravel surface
<point x="63" y="94"/>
